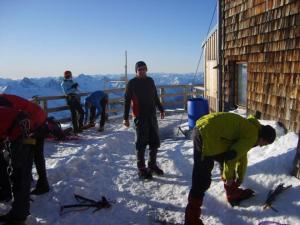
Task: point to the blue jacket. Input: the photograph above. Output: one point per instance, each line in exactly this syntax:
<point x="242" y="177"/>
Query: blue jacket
<point x="68" y="87"/>
<point x="94" y="99"/>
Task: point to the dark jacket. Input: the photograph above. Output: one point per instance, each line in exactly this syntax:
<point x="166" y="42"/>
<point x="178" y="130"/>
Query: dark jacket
<point x="142" y="95"/>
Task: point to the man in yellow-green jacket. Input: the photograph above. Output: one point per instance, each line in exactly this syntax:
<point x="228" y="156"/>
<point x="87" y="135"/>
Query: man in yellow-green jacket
<point x="225" y="138"/>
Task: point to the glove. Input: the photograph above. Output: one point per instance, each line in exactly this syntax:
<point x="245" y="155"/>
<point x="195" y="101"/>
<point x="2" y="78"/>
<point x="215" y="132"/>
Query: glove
<point x="235" y="194"/>
<point x="229" y="155"/>
<point x="193" y="211"/>
<point x="74" y="85"/>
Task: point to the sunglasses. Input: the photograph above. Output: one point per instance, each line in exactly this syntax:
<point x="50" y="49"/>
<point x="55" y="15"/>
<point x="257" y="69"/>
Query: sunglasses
<point x="142" y="68"/>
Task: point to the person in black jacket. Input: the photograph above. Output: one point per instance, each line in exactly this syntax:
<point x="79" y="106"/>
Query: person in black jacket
<point x="141" y="92"/>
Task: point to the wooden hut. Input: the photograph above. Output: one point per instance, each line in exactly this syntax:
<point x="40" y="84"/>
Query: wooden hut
<point x="210" y="48"/>
<point x="260" y="58"/>
<point x="296" y="169"/>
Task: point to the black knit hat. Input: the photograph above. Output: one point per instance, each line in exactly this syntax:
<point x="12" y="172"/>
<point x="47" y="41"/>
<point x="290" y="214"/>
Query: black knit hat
<point x="268" y="133"/>
<point x="140" y="64"/>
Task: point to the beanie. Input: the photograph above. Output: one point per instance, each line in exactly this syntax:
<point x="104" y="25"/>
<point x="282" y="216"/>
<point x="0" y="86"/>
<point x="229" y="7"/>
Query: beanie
<point x="67" y="74"/>
<point x="140" y="64"/>
<point x="268" y="133"/>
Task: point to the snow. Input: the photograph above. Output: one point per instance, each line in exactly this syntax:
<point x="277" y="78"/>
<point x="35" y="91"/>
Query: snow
<point x="104" y="164"/>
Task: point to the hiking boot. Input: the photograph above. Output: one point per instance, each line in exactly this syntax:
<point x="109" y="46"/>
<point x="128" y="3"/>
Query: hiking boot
<point x="79" y="130"/>
<point x="156" y="170"/>
<point x="101" y="129"/>
<point x="145" y="173"/>
<point x="4" y="218"/>
<point x="5" y="197"/>
<point x="8" y="220"/>
<point x="40" y="190"/>
<point x="235" y="194"/>
<point x="92" y="124"/>
<point x="15" y="222"/>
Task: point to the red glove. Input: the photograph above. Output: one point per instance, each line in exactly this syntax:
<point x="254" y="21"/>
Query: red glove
<point x="193" y="211"/>
<point x="235" y="194"/>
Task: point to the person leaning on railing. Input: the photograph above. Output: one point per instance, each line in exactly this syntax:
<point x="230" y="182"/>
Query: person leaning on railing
<point x="70" y="89"/>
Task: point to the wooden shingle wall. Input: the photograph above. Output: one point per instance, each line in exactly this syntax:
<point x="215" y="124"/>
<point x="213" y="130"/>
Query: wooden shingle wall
<point x="266" y="35"/>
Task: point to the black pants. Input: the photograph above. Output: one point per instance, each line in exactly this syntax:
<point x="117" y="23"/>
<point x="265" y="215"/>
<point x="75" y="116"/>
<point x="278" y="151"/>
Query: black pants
<point x="22" y="158"/>
<point x="73" y="102"/>
<point x="146" y="134"/>
<point x="39" y="158"/>
<point x="5" y="189"/>
<point x="203" y="166"/>
<point x="103" y="103"/>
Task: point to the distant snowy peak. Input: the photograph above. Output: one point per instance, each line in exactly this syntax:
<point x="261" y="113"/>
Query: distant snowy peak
<point x="27" y="82"/>
<point x="48" y="86"/>
<point x="52" y="83"/>
<point x="3" y="89"/>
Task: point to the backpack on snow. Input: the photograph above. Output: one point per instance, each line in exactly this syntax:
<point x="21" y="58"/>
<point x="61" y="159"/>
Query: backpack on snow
<point x="55" y="130"/>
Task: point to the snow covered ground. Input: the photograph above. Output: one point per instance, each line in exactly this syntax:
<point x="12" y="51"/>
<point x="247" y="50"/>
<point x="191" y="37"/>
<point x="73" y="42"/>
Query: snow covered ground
<point x="104" y="164"/>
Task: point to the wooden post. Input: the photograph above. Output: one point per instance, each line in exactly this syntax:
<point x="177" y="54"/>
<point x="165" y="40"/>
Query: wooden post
<point x="45" y="107"/>
<point x="296" y="169"/>
<point x="161" y="94"/>
<point x="186" y="96"/>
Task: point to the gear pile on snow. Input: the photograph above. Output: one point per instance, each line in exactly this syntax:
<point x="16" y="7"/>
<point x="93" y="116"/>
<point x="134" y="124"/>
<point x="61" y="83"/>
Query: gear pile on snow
<point x="84" y="202"/>
<point x="272" y="196"/>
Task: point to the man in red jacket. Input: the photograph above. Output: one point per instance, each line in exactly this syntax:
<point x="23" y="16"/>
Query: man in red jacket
<point x="15" y="147"/>
<point x="37" y="117"/>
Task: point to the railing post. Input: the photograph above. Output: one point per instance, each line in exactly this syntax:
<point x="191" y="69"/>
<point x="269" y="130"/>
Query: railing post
<point x="185" y="96"/>
<point x="161" y="94"/>
<point x="45" y="107"/>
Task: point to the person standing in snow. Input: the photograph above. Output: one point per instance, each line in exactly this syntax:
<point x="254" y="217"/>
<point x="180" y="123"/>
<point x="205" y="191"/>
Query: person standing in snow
<point x="97" y="100"/>
<point x="35" y="112"/>
<point x="141" y="93"/>
<point x="70" y="89"/>
<point x="225" y="138"/>
<point x="17" y="138"/>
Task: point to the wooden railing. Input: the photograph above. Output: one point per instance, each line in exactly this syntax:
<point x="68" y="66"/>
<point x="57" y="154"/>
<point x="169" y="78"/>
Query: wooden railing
<point x="116" y="98"/>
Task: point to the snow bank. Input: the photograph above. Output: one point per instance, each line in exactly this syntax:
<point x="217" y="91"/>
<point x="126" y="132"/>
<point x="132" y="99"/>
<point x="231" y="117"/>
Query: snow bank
<point x="104" y="164"/>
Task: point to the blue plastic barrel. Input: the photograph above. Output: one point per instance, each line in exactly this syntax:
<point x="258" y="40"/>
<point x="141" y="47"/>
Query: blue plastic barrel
<point x="196" y="108"/>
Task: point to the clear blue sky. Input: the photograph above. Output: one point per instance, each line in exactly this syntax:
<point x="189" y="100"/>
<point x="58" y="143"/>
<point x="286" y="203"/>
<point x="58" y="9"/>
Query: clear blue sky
<point x="46" y="37"/>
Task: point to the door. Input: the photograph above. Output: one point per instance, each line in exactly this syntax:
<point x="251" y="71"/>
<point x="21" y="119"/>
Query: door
<point x="241" y="84"/>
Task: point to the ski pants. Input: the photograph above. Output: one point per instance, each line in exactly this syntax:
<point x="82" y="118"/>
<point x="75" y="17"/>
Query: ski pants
<point x="20" y="178"/>
<point x="5" y="188"/>
<point x="103" y="103"/>
<point x="39" y="158"/>
<point x="203" y="165"/>
<point x="147" y="133"/>
<point x="73" y="102"/>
